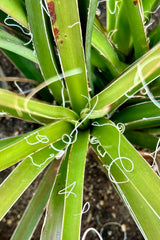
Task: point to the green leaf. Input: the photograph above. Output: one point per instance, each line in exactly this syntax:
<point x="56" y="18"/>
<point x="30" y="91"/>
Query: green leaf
<point x="121" y="35"/>
<point x="132" y="177"/>
<point x="43" y="47"/>
<point x="140" y="115"/>
<point x="33" y="110"/>
<point x="25" y="66"/>
<point x="52" y="226"/>
<point x="154" y="36"/>
<point x="141" y="139"/>
<point x="112" y="11"/>
<point x="135" y="15"/>
<point x="15" y="9"/>
<point x="9" y="140"/>
<point x="67" y="34"/>
<point x="15" y="45"/>
<point x="34" y="141"/>
<point x="91" y="16"/>
<point x="37" y="204"/>
<point x="129" y="82"/>
<point x="74" y="187"/>
<point x="24" y="174"/>
<point x="149" y="6"/>
<point x="105" y="48"/>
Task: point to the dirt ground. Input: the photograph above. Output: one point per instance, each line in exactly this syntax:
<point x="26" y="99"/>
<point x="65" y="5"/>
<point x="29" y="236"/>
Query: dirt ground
<point x="107" y="212"/>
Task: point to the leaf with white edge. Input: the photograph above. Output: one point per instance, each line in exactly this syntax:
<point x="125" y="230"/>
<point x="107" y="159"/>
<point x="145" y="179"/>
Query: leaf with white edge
<point x="67" y="34"/>
<point x="42" y="44"/>
<point x="74" y="187"/>
<point x="52" y="226"/>
<point x="16" y="9"/>
<point x="32" y="142"/>
<point x="132" y="177"/>
<point x="145" y="114"/>
<point x="130" y="81"/>
<point x="112" y="11"/>
<point x="134" y="11"/>
<point x="24" y="174"/>
<point x="9" y="140"/>
<point x="141" y="139"/>
<point x="33" y="110"/>
<point x="105" y="48"/>
<point x="91" y="16"/>
<point x="37" y="204"/>
<point x="18" y="49"/>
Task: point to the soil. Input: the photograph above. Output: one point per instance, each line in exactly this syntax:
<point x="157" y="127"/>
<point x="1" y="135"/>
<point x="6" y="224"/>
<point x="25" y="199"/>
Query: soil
<point x="107" y="213"/>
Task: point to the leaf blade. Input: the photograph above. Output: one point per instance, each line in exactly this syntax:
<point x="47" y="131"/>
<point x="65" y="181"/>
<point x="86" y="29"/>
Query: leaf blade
<point x="37" y="204"/>
<point x="132" y="181"/>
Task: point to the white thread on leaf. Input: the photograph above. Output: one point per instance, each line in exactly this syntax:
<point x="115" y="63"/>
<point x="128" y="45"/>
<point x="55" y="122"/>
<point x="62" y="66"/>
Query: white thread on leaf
<point x="74" y="24"/>
<point x="39" y="138"/>
<point x="115" y="8"/>
<point x="68" y="190"/>
<point x="60" y="152"/>
<point x="111" y="33"/>
<point x="93" y="140"/>
<point x="143" y="91"/>
<point x="155" y="11"/>
<point x="76" y="127"/>
<point x="20" y="27"/>
<point x="112" y="179"/>
<point x="120" y="128"/>
<point x="87" y="206"/>
<point x="51" y="156"/>
<point x="150" y="95"/>
<point x="99" y="151"/>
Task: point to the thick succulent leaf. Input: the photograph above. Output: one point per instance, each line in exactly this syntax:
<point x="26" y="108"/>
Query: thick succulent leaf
<point x="35" y="208"/>
<point x="112" y="11"/>
<point x="149" y="6"/>
<point x="141" y="139"/>
<point x="52" y="227"/>
<point x="105" y="48"/>
<point x="9" y="140"/>
<point x="33" y="110"/>
<point x="42" y="45"/>
<point x="129" y="82"/>
<point x="67" y="34"/>
<point x="91" y="16"/>
<point x="141" y="115"/>
<point x="74" y="187"/>
<point x="15" y="9"/>
<point x="32" y="142"/>
<point x="135" y="15"/>
<point x="121" y="35"/>
<point x="13" y="44"/>
<point x="24" y="174"/>
<point x="25" y="66"/>
<point x="153" y="131"/>
<point x="132" y="176"/>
